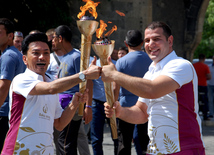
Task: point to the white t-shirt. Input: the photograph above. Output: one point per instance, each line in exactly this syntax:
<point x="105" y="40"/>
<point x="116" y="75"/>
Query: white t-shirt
<point x="31" y="117"/>
<point x="174" y="124"/>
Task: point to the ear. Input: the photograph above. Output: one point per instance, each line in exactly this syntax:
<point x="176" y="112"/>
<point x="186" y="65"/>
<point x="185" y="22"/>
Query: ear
<point x="126" y="44"/>
<point x="10" y="36"/>
<point x="24" y="57"/>
<point x="60" y="39"/>
<point x="170" y="41"/>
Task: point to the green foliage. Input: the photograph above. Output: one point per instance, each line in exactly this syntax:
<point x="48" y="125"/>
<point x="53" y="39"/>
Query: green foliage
<point x="36" y="14"/>
<point x="206" y="45"/>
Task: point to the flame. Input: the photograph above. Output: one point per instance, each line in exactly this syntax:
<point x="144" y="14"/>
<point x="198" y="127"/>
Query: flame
<point x="109" y="22"/>
<point x="114" y="28"/>
<point x="89" y="6"/>
<point x="99" y="32"/>
<point x="120" y="13"/>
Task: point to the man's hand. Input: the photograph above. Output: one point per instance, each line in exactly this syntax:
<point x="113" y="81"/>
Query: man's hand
<point x="108" y="71"/>
<point x="87" y="115"/>
<point x="79" y="97"/>
<point x="110" y="111"/>
<point x="93" y="71"/>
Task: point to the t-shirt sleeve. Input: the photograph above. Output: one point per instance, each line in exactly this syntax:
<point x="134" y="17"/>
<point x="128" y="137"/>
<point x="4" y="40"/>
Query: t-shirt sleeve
<point x="22" y="85"/>
<point x="59" y="109"/>
<point x="7" y="67"/>
<point x="181" y="71"/>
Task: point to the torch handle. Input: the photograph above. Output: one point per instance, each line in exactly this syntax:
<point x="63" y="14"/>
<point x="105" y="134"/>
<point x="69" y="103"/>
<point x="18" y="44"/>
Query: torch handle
<point x="110" y="100"/>
<point x="84" y="62"/>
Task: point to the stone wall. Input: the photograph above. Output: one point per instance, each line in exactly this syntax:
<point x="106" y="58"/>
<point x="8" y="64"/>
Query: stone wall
<point x="185" y="17"/>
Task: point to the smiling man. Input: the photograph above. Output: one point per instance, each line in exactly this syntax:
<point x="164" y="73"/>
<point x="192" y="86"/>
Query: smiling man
<point x="34" y="102"/>
<point x="168" y="97"/>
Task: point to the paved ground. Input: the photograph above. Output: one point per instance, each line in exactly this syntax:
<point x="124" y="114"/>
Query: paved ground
<point x="208" y="137"/>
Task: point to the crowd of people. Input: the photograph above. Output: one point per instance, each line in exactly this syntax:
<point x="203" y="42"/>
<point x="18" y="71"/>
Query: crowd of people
<point x="156" y="101"/>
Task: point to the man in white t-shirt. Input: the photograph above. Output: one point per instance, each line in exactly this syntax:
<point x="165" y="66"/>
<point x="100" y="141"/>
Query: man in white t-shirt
<point x="34" y="103"/>
<point x="168" y="97"/>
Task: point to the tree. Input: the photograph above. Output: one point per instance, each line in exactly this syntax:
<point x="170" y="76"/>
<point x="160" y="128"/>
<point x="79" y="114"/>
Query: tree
<point x="206" y="45"/>
<point x="29" y="15"/>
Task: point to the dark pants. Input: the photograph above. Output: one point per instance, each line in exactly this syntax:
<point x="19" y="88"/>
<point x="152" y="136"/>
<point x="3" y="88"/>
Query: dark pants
<point x="141" y="134"/>
<point x="67" y="140"/>
<point x="3" y="130"/>
<point x="97" y="128"/>
<point x="125" y="135"/>
<point x="203" y="98"/>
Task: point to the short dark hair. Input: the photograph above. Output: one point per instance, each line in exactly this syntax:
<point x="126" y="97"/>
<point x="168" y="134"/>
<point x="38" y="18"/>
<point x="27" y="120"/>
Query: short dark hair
<point x="9" y="26"/>
<point x="124" y="49"/>
<point x="65" y="32"/>
<point x="201" y="56"/>
<point x="158" y="24"/>
<point x="134" y="38"/>
<point x="33" y="38"/>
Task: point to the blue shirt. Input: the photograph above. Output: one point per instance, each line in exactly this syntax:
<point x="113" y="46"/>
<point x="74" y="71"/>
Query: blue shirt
<point x="98" y="86"/>
<point x="70" y="65"/>
<point x="11" y="64"/>
<point x="134" y="64"/>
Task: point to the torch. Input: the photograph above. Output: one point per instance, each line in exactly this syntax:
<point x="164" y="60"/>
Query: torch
<point x="87" y="27"/>
<point x="104" y="48"/>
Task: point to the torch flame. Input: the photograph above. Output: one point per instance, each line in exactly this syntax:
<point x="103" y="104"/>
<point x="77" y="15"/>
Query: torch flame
<point x="120" y="13"/>
<point x="89" y="6"/>
<point x="99" y="32"/>
<point x="114" y="28"/>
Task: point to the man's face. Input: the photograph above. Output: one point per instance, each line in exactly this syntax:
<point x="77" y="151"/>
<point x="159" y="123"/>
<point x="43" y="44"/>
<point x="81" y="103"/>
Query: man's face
<point x="121" y="53"/>
<point x="156" y="44"/>
<point x="56" y="42"/>
<point x="38" y="57"/>
<point x="114" y="54"/>
<point x="17" y="42"/>
<point x="3" y="36"/>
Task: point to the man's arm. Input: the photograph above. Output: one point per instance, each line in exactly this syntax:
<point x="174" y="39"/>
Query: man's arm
<point x="4" y="89"/>
<point x="116" y="91"/>
<point x="65" y="83"/>
<point x="209" y="76"/>
<point x="69" y="112"/>
<point x="151" y="89"/>
<point x="137" y="114"/>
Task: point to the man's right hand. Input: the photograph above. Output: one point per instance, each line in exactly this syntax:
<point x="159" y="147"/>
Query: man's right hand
<point x="110" y="111"/>
<point x="93" y="72"/>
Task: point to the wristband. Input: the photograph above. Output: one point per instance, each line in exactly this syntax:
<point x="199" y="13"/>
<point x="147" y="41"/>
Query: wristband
<point x="88" y="106"/>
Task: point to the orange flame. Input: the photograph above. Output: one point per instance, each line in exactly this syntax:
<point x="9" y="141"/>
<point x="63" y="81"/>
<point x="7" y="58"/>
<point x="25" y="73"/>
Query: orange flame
<point x="89" y="6"/>
<point x="109" y="22"/>
<point x="120" y="13"/>
<point x="114" y="28"/>
<point x="99" y="32"/>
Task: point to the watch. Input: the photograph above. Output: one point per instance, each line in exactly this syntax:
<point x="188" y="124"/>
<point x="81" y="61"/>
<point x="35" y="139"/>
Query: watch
<point x="82" y="76"/>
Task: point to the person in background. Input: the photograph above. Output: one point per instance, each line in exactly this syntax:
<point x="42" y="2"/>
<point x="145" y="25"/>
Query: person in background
<point x="17" y="40"/>
<point x="34" y="105"/>
<point x="203" y="73"/>
<point x="70" y="64"/>
<point x="122" y="51"/>
<point x="34" y="31"/>
<point x="97" y="98"/>
<point x="168" y="97"/>
<point x="11" y="64"/>
<point x="135" y="63"/>
<point x="114" y="55"/>
<point x="50" y="33"/>
<point x="210" y="84"/>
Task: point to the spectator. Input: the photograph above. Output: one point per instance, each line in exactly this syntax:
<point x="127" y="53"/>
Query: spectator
<point x="122" y="51"/>
<point x="211" y="90"/>
<point x="34" y="106"/>
<point x="168" y="97"/>
<point x="11" y="64"/>
<point x="17" y="40"/>
<point x="70" y="64"/>
<point x="135" y="63"/>
<point x="114" y="55"/>
<point x="203" y="73"/>
<point x="99" y="118"/>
